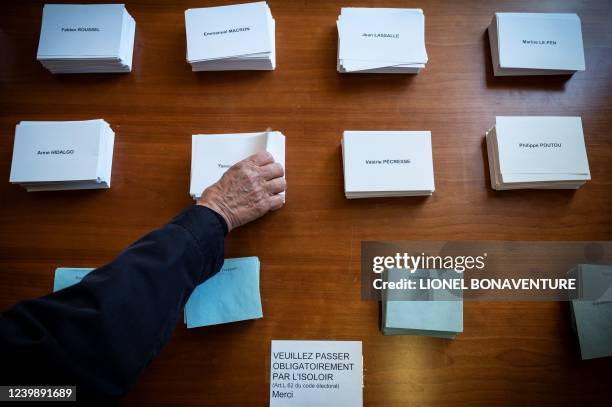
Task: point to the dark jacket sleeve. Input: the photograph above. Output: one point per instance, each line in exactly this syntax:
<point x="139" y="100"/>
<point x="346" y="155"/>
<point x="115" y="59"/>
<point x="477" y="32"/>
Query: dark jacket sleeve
<point x="101" y="333"/>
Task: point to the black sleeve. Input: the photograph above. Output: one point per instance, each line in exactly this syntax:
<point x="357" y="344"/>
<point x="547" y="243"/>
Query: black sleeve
<point x="101" y="333"/>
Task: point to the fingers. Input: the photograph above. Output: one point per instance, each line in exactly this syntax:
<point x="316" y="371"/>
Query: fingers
<point x="248" y="190"/>
<point x="276" y="186"/>
<point x="262" y="158"/>
<point x="276" y="202"/>
<point x="271" y="171"/>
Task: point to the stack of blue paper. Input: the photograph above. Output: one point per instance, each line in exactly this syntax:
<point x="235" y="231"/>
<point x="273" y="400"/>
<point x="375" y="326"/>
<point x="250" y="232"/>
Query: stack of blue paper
<point x="66" y="276"/>
<point x="229" y="296"/>
<point x="436" y="313"/>
<point x="592" y="310"/>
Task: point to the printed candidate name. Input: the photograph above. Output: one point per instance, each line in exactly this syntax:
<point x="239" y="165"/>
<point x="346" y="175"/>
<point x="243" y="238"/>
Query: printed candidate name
<point x="540" y="145"/>
<point x="228" y="31"/>
<point x="55" y="152"/>
<point x="380" y="35"/>
<point x="80" y="29"/>
<point x="385" y="162"/>
<point x="539" y="42"/>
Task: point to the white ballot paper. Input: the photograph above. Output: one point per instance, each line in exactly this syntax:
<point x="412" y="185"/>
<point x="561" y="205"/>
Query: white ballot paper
<point x="213" y="154"/>
<point x="537" y="152"/>
<point x="536" y="44"/>
<point x="62" y="155"/>
<point x="316" y="373"/>
<point x="387" y="163"/>
<point x="235" y="37"/>
<point x="381" y="40"/>
<point x="77" y="38"/>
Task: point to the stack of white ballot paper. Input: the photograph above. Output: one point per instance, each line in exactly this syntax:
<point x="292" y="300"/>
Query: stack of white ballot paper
<point x="51" y="156"/>
<point x="381" y="40"/>
<point x="536" y="44"/>
<point x="86" y="38"/>
<point x="537" y="152"/>
<point x="387" y="163"/>
<point x="213" y="154"/>
<point x="231" y="38"/>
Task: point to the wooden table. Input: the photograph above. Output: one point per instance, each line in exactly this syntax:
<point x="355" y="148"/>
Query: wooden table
<point x="510" y="353"/>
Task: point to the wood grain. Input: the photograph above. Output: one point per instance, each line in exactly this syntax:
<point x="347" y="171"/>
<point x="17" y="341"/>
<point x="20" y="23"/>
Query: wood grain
<point x="509" y="354"/>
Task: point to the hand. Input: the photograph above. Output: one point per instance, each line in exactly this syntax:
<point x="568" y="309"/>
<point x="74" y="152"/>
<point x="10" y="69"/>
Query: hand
<point x="247" y="191"/>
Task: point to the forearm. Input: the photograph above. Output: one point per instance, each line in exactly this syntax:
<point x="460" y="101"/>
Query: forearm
<point x="102" y="332"/>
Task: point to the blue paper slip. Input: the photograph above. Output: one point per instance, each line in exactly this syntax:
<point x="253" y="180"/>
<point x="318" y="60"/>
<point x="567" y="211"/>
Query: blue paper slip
<point x="436" y="313"/>
<point x="592" y="312"/>
<point x="66" y="276"/>
<point x="229" y="296"/>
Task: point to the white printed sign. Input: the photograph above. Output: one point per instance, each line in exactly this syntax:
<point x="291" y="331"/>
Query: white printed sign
<point x="316" y="373"/>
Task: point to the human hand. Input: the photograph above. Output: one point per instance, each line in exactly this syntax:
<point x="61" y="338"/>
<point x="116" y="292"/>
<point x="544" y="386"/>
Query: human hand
<point x="247" y="191"/>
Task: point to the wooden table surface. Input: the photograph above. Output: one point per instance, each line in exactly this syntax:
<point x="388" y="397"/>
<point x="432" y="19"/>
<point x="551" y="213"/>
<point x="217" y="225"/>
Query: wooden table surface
<point x="510" y="353"/>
